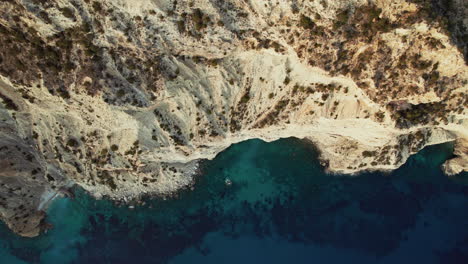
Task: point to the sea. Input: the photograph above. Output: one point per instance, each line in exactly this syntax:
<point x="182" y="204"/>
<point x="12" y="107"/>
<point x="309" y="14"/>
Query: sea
<point x="259" y="202"/>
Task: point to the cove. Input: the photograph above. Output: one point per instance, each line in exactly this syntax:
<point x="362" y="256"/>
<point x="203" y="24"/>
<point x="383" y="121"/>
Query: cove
<point x="279" y="208"/>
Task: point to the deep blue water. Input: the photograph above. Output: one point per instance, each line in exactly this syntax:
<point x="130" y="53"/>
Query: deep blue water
<point x="280" y="208"/>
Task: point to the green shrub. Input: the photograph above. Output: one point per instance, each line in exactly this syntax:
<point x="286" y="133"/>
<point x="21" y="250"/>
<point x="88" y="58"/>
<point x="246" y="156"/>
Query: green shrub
<point x="245" y="98"/>
<point x="9" y="104"/>
<point x="97" y="6"/>
<point x="72" y="143"/>
<point x="199" y="19"/>
<point x="368" y="154"/>
<point x="306" y="22"/>
<point x="181" y="26"/>
<point x="68" y="12"/>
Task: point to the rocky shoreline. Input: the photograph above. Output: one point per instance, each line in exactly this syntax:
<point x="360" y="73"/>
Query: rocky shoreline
<point x="125" y="99"/>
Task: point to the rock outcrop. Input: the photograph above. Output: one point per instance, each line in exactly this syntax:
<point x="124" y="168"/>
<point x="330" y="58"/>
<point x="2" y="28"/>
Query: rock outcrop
<point x="125" y="97"/>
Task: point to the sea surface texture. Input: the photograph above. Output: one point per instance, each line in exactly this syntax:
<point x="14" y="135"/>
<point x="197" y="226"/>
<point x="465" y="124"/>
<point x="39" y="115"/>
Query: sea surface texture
<point x="262" y="202"/>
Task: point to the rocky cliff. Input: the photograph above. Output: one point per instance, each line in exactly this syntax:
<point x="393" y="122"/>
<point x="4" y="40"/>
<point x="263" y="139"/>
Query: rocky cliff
<point x="125" y="97"/>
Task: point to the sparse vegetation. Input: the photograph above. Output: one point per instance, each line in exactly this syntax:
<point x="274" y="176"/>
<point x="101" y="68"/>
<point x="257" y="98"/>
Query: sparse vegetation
<point x="9" y="104"/>
<point x="245" y="98"/>
<point x="273" y="116"/>
<point x="380" y="116"/>
<point x="341" y="19"/>
<point x="97" y="6"/>
<point x="68" y="12"/>
<point x="368" y="154"/>
<point x="200" y="20"/>
<point x="306" y="22"/>
<point x="419" y="114"/>
<point x="73" y="143"/>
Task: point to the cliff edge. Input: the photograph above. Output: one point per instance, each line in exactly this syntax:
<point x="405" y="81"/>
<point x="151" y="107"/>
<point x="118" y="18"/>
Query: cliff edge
<point x="123" y="98"/>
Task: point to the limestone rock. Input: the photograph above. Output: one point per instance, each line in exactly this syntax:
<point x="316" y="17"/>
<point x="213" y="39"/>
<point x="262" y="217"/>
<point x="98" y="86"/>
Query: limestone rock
<point x="124" y="98"/>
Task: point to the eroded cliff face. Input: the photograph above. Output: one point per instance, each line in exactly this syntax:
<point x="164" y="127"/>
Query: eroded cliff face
<point x="125" y="97"/>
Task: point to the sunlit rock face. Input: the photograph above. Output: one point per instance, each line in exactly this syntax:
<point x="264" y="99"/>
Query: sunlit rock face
<point x="125" y="97"/>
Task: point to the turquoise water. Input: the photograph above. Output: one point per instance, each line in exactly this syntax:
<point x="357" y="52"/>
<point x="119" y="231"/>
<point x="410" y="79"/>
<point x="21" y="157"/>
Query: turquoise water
<point x="281" y="207"/>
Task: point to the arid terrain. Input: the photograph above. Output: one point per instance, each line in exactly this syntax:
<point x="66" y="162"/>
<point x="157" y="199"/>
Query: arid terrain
<point x="124" y="98"/>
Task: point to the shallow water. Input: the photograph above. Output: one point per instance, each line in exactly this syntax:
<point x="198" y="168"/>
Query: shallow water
<point x="281" y="207"/>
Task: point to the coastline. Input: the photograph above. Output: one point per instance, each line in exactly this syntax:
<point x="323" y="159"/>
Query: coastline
<point x="278" y="191"/>
<point x="124" y="100"/>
